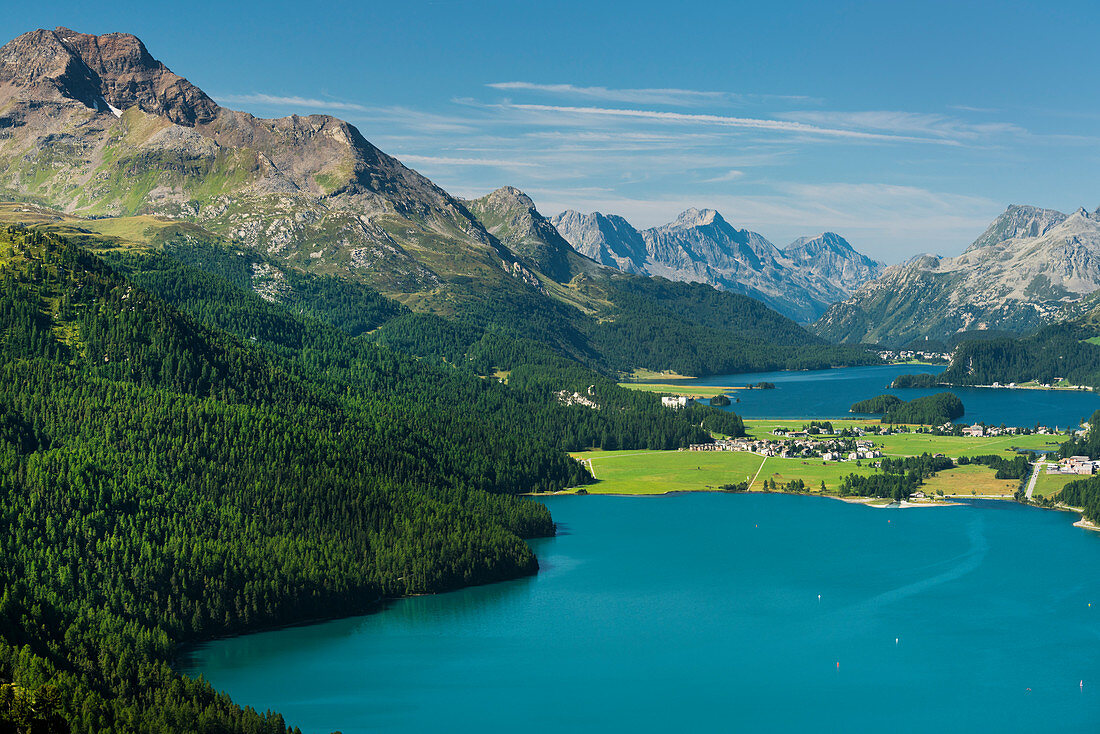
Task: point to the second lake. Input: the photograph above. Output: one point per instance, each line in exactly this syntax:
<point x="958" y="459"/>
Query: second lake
<point x="830" y="393"/>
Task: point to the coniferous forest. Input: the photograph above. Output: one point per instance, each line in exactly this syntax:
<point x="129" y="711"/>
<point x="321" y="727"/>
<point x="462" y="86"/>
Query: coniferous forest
<point x="181" y="459"/>
<point x="928" y="410"/>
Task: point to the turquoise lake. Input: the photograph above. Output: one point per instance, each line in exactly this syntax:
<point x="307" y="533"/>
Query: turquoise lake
<point x="830" y="393"/>
<point x="701" y="612"/>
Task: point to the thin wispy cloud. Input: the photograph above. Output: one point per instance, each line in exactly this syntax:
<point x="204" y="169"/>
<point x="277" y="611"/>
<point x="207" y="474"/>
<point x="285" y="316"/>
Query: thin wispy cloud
<point x="731" y="175"/>
<point x="639" y="96"/>
<point x="273" y="100"/>
<point x="968" y="108"/>
<point x="921" y="124"/>
<point x="439" y="160"/>
<point x="769" y="125"/>
<point x="667" y="96"/>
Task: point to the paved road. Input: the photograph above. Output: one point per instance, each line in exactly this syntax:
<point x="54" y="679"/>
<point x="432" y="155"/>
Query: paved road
<point x="1034" y="478"/>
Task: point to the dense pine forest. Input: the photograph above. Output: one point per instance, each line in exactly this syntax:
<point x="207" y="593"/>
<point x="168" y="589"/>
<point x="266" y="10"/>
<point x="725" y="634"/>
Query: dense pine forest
<point x="1059" y="351"/>
<point x="930" y="410"/>
<point x="877" y="404"/>
<point x="181" y="458"/>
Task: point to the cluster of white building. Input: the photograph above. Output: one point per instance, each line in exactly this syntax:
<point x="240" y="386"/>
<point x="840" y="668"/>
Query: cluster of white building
<point x="891" y="355"/>
<point x="827" y="450"/>
<point x="1075" y="465"/>
<point x="978" y="431"/>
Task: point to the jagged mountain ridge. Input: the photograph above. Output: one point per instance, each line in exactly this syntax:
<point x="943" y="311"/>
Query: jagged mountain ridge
<point x="93" y="125"/>
<point x="800" y="281"/>
<point x="832" y="259"/>
<point x="606" y="239"/>
<point x="1027" y="269"/>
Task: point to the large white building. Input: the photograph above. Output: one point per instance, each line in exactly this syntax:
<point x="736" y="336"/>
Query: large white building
<point x="676" y="402"/>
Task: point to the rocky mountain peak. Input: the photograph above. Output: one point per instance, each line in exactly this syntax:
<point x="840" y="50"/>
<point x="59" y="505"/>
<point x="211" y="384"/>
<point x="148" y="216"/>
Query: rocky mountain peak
<point x="510" y="216"/>
<point x="114" y="69"/>
<point x="698" y="218"/>
<point x="819" y="243"/>
<point x="1026" y="268"/>
<point x="1018" y="221"/>
<point x="833" y="259"/>
<point x="607" y="239"/>
<point x="510" y="197"/>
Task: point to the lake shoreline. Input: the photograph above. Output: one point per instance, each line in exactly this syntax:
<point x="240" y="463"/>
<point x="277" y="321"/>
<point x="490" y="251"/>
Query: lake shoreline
<point x="864" y="501"/>
<point x="868" y="501"/>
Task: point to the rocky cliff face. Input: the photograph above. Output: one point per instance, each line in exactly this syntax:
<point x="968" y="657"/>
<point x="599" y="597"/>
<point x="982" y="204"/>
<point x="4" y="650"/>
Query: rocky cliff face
<point x="1025" y="270"/>
<point x="99" y="72"/>
<point x="701" y="246"/>
<point x="834" y="261"/>
<point x="607" y="239"/>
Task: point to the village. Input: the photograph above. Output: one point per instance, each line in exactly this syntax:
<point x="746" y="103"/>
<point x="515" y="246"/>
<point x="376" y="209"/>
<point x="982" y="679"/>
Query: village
<point x="797" y="447"/>
<point x="907" y="355"/>
<point x="819" y="440"/>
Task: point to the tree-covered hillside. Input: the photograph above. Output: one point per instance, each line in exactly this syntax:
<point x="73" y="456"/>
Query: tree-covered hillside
<point x="181" y="458"/>
<point x="1065" y="351"/>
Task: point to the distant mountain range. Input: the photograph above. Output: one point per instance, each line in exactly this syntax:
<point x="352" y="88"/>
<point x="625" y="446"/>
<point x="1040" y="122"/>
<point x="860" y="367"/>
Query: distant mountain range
<point x="1029" y="268"/>
<point x="95" y="128"/>
<point x="800" y="281"/>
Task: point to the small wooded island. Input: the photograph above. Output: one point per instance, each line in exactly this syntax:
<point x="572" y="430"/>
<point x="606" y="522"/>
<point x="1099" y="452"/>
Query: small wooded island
<point x="933" y="410"/>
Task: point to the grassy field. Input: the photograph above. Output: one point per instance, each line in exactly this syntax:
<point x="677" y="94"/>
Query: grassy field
<point x="1048" y="485"/>
<point x="691" y="391"/>
<point x="914" y="444"/>
<point x="657" y="472"/>
<point x="651" y="376"/>
<point x="811" y="471"/>
<point x="972" y="479"/>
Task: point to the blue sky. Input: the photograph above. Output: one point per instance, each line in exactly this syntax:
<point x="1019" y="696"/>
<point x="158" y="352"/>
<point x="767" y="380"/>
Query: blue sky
<point x="904" y="126"/>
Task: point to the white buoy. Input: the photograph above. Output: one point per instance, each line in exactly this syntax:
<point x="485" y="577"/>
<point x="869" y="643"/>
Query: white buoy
<point x="819" y="597"/>
<point x="896" y="640"/>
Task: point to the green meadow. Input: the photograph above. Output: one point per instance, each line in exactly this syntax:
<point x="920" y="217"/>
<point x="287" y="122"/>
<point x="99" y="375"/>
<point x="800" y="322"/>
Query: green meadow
<point x="692" y="391"/>
<point x="763" y="427"/>
<point x="914" y="444"/>
<point x="972" y="479"/>
<point x="811" y="471"/>
<point x="658" y="472"/>
<point x="1048" y="485"/>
